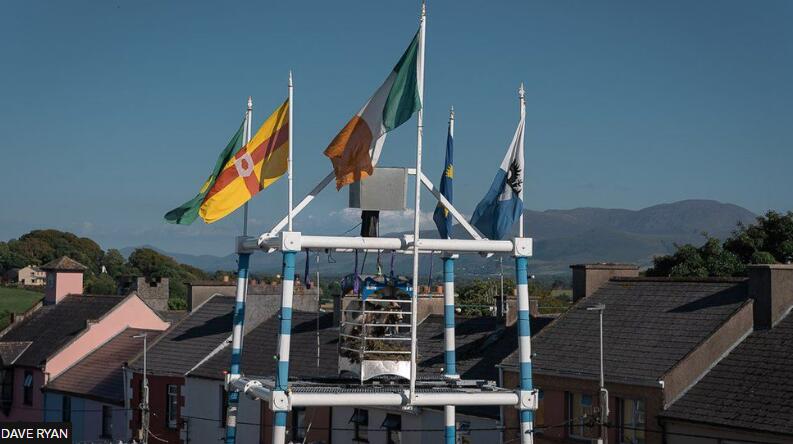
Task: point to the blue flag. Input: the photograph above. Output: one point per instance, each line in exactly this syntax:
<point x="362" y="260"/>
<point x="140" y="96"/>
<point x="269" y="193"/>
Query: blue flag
<point x="441" y="216"/>
<point x="503" y="204"/>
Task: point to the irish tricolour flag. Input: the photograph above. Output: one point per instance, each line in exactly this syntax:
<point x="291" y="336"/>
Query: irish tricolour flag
<point x="355" y="150"/>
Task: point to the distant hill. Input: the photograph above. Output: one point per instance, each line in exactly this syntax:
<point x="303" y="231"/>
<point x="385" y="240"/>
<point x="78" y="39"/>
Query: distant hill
<point x="562" y="237"/>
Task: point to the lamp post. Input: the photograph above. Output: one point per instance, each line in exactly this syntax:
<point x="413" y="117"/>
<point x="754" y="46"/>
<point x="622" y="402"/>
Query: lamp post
<point x="604" y="394"/>
<point x="144" y="403"/>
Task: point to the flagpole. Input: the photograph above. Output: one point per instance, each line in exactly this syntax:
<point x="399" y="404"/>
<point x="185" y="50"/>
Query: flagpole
<point x="246" y="137"/>
<point x="522" y="96"/>
<point x="417" y="213"/>
<point x="239" y="310"/>
<point x="291" y="140"/>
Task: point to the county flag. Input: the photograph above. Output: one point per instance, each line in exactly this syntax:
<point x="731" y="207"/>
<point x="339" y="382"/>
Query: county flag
<point x="240" y="172"/>
<point x="256" y="166"/>
<point x="187" y="213"/>
<point x="355" y="150"/>
<point x="442" y="218"/>
<point x="502" y="205"/>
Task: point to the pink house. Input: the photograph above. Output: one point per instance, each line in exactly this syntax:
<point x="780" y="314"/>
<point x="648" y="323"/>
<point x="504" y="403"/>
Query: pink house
<point x="69" y="326"/>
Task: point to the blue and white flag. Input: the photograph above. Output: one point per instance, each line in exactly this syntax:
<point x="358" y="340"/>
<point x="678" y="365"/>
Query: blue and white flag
<point x="503" y="204"/>
<point x="442" y="218"/>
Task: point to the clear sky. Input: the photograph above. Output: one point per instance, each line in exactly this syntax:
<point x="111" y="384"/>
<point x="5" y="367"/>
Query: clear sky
<point x="113" y="112"/>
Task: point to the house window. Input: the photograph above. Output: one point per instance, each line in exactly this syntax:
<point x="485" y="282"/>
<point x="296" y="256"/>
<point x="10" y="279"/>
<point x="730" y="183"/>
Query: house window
<point x="66" y="409"/>
<point x="107" y="421"/>
<point x="298" y="424"/>
<point x="580" y="412"/>
<point x="224" y="404"/>
<point x="171" y="406"/>
<point x="632" y="420"/>
<point x="360" y="421"/>
<point x="27" y="388"/>
<point x="7" y="395"/>
<point x="393" y="428"/>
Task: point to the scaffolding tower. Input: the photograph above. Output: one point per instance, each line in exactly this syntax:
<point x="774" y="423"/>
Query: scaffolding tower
<point x="282" y="395"/>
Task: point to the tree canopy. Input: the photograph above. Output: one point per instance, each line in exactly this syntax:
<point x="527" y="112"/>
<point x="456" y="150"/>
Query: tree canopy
<point x="41" y="246"/>
<point x="769" y="240"/>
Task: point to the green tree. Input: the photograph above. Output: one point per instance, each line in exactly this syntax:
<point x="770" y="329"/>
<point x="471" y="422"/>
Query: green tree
<point x="103" y="283"/>
<point x="771" y="233"/>
<point x="711" y="259"/>
<point x="114" y="263"/>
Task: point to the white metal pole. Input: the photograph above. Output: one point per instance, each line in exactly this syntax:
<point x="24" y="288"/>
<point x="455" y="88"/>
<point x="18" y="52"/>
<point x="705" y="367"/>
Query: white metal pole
<point x="246" y="136"/>
<point x="291" y="146"/>
<point x="417" y="214"/>
<point x="522" y="96"/>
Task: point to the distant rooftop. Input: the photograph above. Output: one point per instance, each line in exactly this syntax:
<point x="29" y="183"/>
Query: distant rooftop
<point x="649" y="325"/>
<point x="64" y="263"/>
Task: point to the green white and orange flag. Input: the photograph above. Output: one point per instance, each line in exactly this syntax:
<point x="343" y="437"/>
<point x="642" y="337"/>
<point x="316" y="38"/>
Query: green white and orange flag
<point x="240" y="172"/>
<point x="355" y="150"/>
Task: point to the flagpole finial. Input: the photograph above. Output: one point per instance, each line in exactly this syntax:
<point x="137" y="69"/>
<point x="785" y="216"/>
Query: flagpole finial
<point x="250" y="103"/>
<point x="290" y="77"/>
<point x="521" y="91"/>
<point x="423" y="8"/>
<point x="451" y="113"/>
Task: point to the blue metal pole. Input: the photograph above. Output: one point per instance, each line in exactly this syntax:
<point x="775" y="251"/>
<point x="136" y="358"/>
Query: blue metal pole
<point x="524" y="344"/>
<point x="236" y="345"/>
<point x="284" y="337"/>
<point x="449" y="353"/>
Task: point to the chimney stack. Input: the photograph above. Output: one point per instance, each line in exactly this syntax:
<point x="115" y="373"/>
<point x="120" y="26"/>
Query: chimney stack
<point x="771" y="287"/>
<point x="587" y="278"/>
<point x="64" y="277"/>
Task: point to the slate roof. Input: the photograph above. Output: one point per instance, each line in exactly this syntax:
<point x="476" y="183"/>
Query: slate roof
<point x="10" y="351"/>
<point x="64" y="263"/>
<point x="750" y="388"/>
<point x="99" y="375"/>
<point x="187" y="342"/>
<point x="649" y="325"/>
<point x="260" y="349"/>
<point x="481" y="344"/>
<point x="52" y="326"/>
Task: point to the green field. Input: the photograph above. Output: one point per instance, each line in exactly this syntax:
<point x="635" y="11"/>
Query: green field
<point x="15" y="300"/>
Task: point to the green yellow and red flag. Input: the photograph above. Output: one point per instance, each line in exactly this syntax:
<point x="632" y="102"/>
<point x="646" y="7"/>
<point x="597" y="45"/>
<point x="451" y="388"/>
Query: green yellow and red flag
<point x="240" y="172"/>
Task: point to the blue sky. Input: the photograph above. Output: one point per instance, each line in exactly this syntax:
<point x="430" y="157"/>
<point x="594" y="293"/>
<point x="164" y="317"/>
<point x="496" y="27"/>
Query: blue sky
<point x="112" y="112"/>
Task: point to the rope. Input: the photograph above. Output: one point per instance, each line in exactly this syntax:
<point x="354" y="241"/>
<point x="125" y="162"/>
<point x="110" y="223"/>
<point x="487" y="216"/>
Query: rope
<point x="356" y="285"/>
<point x="306" y="275"/>
<point x="429" y="281"/>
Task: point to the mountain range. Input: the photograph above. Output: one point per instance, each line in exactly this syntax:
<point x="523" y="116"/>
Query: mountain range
<point x="561" y="238"/>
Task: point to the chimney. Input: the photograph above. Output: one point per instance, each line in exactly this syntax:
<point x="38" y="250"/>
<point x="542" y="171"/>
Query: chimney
<point x="587" y="278"/>
<point x="64" y="277"/>
<point x="154" y="292"/>
<point x="771" y="287"/>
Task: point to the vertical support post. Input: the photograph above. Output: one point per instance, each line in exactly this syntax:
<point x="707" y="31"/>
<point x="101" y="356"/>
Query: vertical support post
<point x="524" y="345"/>
<point x="284" y="337"/>
<point x="239" y="311"/>
<point x="417" y="214"/>
<point x="236" y="346"/>
<point x="451" y="361"/>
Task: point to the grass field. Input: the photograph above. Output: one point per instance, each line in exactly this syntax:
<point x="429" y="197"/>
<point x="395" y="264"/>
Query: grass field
<point x="15" y="300"/>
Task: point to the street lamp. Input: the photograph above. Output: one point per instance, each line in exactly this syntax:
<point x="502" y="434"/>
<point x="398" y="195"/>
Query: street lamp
<point x="144" y="403"/>
<point x="604" y="394"/>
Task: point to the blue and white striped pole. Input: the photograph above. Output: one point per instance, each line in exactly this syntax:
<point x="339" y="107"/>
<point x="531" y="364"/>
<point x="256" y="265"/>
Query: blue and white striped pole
<point x="239" y="311"/>
<point x="284" y="337"/>
<point x="449" y="353"/>
<point x="236" y="345"/>
<point x="524" y="345"/>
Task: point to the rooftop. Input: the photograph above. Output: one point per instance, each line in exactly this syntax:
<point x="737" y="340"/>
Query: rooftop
<point x="187" y="342"/>
<point x="750" y="388"/>
<point x="99" y="374"/>
<point x="64" y="263"/>
<point x="52" y="326"/>
<point x="649" y="325"/>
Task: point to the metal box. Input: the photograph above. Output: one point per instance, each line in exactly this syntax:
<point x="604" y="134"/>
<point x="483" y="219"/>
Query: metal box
<point x="384" y="190"/>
